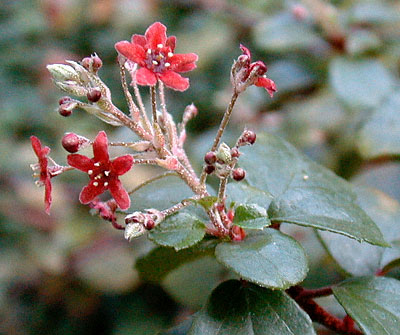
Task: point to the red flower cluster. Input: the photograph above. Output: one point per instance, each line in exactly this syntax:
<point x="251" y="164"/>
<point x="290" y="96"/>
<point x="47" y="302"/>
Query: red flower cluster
<point x="260" y="80"/>
<point x="103" y="173"/>
<point x="44" y="177"/>
<point x="154" y="53"/>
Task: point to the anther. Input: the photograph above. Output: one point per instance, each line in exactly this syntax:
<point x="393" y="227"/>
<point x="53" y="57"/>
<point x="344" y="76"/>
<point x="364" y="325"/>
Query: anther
<point x="167" y="64"/>
<point x="149" y="51"/>
<point x="159" y="45"/>
<point x="96" y="164"/>
<point x="155" y="62"/>
<point x="90" y="172"/>
<point x="170" y="54"/>
<point x="105" y="184"/>
<point x="106" y="173"/>
<point x="95" y="183"/>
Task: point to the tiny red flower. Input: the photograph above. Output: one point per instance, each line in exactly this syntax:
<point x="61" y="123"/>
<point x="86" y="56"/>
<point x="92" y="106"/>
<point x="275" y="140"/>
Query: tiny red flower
<point x="260" y="80"/>
<point x="45" y="175"/>
<point x="107" y="211"/>
<point x="103" y="173"/>
<point x="154" y="54"/>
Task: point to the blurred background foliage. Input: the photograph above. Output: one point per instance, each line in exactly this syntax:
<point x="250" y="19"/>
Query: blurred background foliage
<point x="336" y="65"/>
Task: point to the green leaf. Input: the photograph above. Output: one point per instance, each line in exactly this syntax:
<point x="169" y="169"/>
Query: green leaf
<point x="235" y="308"/>
<point x="360" y="84"/>
<point x="268" y="258"/>
<point x="304" y="192"/>
<point x="242" y="193"/>
<point x="205" y="202"/>
<point x="179" y="231"/>
<point x="251" y="216"/>
<point x="160" y="194"/>
<point x="365" y="259"/>
<point x="361" y="41"/>
<point x="283" y="33"/>
<point x="373" y="303"/>
<point x="373" y="12"/>
<point x="160" y="261"/>
<point x="380" y="135"/>
<point x="391" y="257"/>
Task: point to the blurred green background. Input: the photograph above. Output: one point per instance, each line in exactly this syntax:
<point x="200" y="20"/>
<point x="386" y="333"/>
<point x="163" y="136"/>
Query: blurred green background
<point x="336" y="66"/>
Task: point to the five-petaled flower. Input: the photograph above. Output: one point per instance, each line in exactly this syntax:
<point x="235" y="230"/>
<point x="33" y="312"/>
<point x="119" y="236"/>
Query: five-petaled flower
<point x="254" y="73"/>
<point x="154" y="53"/>
<point x="103" y="173"/>
<point x="45" y="175"/>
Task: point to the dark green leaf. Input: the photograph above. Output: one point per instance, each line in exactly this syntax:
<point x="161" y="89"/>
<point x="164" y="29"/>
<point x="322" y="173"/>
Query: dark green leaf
<point x="361" y="41"/>
<point x="380" y="135"/>
<point x="268" y="258"/>
<point x="373" y="12"/>
<point x="180" y="231"/>
<point x="181" y="329"/>
<point x="235" y="308"/>
<point x="160" y="194"/>
<point x="360" y="84"/>
<point x="391" y="257"/>
<point x="251" y="216"/>
<point x="205" y="202"/>
<point x="160" y="261"/>
<point x="360" y="259"/>
<point x="305" y="193"/>
<point x="372" y="302"/>
<point x="242" y="193"/>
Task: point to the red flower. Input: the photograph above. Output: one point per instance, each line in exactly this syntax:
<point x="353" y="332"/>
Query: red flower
<point x="103" y="173"/>
<point x="107" y="211"/>
<point x="45" y="175"/>
<point x="260" y="79"/>
<point x="154" y="53"/>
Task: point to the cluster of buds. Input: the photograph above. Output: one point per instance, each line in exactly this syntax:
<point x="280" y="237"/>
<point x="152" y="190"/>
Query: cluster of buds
<point x="138" y="223"/>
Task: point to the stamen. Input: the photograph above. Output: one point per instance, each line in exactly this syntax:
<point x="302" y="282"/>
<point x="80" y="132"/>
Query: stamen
<point x="98" y="176"/>
<point x="155" y="62"/>
<point x="170" y="54"/>
<point x="96" y="164"/>
<point x="167" y="64"/>
<point x="38" y="183"/>
<point x="95" y="183"/>
<point x="106" y="173"/>
<point x="34" y="166"/>
<point x="105" y="184"/>
<point x="90" y="172"/>
<point x="149" y="51"/>
<point x="159" y="45"/>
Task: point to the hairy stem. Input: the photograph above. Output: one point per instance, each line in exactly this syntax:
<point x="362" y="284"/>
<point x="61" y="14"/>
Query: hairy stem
<point x="133" y="109"/>
<point x="153" y="103"/>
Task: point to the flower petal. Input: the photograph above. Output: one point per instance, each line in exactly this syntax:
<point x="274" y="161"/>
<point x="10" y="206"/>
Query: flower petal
<point x="80" y="162"/>
<point x="122" y="165"/>
<point x="47" y="194"/>
<point x="145" y="77"/>
<point x="100" y="147"/>
<point x="268" y="84"/>
<point x="119" y="194"/>
<point x="90" y="192"/>
<point x="171" y="42"/>
<point x="245" y="51"/>
<point x="36" y="146"/>
<point x="156" y="34"/>
<point x="133" y="52"/>
<point x="174" y="80"/>
<point x="183" y="62"/>
<point x="139" y="39"/>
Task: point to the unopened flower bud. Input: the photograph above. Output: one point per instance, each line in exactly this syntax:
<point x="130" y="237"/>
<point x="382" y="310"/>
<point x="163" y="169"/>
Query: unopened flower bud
<point x="235" y="152"/>
<point x="94" y="95"/>
<point x="169" y="163"/>
<point x="63" y="72"/>
<point x="135" y="217"/>
<point x="149" y="224"/>
<point x="64" y="112"/>
<point x="209" y="169"/>
<point x="92" y="63"/>
<point x="247" y="137"/>
<point x="237" y="233"/>
<point x="73" y="142"/>
<point x="238" y="174"/>
<point x="133" y="230"/>
<point x="67" y="107"/>
<point x="210" y="158"/>
<point x="224" y="153"/>
<point x="64" y="100"/>
<point x="189" y="113"/>
<point x="259" y="68"/>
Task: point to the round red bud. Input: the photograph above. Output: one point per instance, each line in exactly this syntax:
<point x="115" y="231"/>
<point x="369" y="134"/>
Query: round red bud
<point x="238" y="174"/>
<point x="149" y="224"/>
<point x="94" y="95"/>
<point x="237" y="233"/>
<point x="86" y="62"/>
<point x="210" y="158"/>
<point x="73" y="142"/>
<point x="209" y="169"/>
<point x="64" y="100"/>
<point x="235" y="152"/>
<point x="97" y="63"/>
<point x="247" y="137"/>
<point x="64" y="112"/>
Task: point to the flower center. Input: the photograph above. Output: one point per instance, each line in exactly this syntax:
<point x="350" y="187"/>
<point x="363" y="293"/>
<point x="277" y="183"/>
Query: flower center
<point x="157" y="60"/>
<point x="100" y="174"/>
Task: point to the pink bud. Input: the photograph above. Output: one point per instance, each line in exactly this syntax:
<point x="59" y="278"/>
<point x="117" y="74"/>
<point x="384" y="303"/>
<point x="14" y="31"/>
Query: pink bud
<point x="92" y="63"/>
<point x="247" y="137"/>
<point x="209" y="169"/>
<point x="210" y="158"/>
<point x="237" y="233"/>
<point x="238" y="174"/>
<point x="73" y="142"/>
<point x="64" y="100"/>
<point x="94" y="95"/>
<point x="235" y="153"/>
<point x="64" y="112"/>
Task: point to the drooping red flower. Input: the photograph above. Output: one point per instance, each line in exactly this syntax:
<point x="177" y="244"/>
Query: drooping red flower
<point x="44" y="177"/>
<point x="261" y="79"/>
<point x="106" y="210"/>
<point x="154" y="54"/>
<point x="103" y="173"/>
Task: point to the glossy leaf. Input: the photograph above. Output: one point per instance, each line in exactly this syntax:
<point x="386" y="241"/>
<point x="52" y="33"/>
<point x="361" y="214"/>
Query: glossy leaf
<point x="304" y="192"/>
<point x="267" y="258"/>
<point x="206" y="202"/>
<point x="242" y="193"/>
<point x="373" y="303"/>
<point x="235" y="308"/>
<point x="360" y="84"/>
<point x="360" y="259"/>
<point x="160" y="261"/>
<point x="180" y="231"/>
<point x="251" y="216"/>
<point x="380" y="135"/>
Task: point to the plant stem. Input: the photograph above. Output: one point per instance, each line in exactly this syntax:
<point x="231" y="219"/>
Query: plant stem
<point x="133" y="109"/>
<point x="153" y="103"/>
<point x="221" y="130"/>
<point x="146" y="121"/>
<point x="222" y="188"/>
<point x="182" y="204"/>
